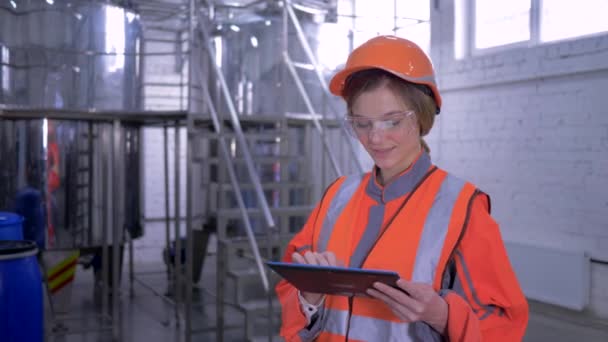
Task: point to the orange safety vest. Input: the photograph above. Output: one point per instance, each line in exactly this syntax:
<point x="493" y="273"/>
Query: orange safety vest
<point x="412" y="232"/>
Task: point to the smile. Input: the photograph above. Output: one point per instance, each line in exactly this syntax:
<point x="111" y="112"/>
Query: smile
<point x="381" y="150"/>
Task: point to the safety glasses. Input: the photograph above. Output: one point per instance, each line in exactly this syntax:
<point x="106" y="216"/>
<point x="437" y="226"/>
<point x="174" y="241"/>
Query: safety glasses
<point x="361" y="126"/>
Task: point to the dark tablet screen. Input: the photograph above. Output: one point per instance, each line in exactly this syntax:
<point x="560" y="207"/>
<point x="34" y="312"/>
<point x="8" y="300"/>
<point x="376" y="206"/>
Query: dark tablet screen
<point x="332" y="280"/>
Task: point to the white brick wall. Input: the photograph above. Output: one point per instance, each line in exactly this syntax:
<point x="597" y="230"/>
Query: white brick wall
<point x="530" y="127"/>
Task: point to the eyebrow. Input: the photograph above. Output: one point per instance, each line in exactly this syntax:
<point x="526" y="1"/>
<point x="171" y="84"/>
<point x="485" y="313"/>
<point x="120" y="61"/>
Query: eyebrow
<point x="392" y="112"/>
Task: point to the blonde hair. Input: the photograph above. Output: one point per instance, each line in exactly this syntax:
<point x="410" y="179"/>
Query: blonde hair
<point x="417" y="96"/>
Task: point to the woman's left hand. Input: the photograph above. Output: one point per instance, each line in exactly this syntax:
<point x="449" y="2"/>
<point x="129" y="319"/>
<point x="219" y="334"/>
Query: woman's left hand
<point x="413" y="302"/>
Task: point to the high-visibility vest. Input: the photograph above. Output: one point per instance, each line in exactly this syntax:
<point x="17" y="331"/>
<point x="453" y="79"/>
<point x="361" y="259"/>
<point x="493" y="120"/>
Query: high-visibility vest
<point x="417" y="242"/>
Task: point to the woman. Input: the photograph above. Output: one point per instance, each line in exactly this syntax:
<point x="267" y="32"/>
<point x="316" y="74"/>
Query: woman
<point x="406" y="216"/>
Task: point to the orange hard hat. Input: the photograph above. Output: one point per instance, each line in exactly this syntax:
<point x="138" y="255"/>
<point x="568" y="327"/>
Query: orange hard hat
<point x="398" y="56"/>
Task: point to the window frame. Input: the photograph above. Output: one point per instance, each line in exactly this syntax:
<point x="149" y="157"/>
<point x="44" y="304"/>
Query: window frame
<point x="534" y="22"/>
<point x="354" y="30"/>
<point x="471" y="34"/>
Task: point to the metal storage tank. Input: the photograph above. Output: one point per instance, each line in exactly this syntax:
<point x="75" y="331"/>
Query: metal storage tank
<point x="73" y="57"/>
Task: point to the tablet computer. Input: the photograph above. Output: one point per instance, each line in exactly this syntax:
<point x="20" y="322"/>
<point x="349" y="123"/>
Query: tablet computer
<point x="332" y="280"/>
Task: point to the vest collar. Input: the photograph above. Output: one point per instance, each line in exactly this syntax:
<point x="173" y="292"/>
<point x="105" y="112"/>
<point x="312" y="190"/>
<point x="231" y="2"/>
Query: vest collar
<point x="401" y="185"/>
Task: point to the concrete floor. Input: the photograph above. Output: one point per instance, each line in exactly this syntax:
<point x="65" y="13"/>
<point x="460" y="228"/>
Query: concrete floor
<point x="146" y="317"/>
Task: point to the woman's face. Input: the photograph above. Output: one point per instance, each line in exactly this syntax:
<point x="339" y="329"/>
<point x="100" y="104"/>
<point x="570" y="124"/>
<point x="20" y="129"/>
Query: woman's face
<point x="387" y="128"/>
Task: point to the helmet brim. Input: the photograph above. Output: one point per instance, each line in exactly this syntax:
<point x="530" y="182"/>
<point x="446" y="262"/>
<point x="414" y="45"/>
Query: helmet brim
<point x="336" y="84"/>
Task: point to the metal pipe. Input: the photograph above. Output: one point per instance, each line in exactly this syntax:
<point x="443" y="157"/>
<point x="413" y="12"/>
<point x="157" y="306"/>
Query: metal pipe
<point x="310" y="10"/>
<point x="164" y="84"/>
<point x="285" y="48"/>
<point x="116" y="225"/>
<point x="189" y="237"/>
<point x="87" y="52"/>
<point x="395" y="17"/>
<point x="129" y="233"/>
<point x="105" y="260"/>
<point x="90" y="179"/>
<point x="179" y="64"/>
<point x="162" y="40"/>
<point x="305" y="66"/>
<point x="236" y="125"/>
<point x="157" y="3"/>
<point x="239" y="6"/>
<point x="18" y="13"/>
<point x="176" y="210"/>
<point x="131" y="267"/>
<point x="13" y="112"/>
<point x="222" y="257"/>
<point x="189" y="164"/>
<point x="164" y="28"/>
<point x="167" y="213"/>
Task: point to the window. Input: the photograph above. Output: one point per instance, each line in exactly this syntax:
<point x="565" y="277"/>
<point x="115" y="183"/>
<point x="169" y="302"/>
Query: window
<point x="335" y="39"/>
<point x="501" y="22"/>
<point x="333" y="45"/>
<point x="562" y="19"/>
<point x="488" y="24"/>
<point x="408" y="19"/>
<point x="360" y="20"/>
<point x="414" y="22"/>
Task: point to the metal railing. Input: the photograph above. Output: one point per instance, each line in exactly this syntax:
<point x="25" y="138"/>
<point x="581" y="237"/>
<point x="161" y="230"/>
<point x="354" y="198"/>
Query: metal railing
<point x="246" y="154"/>
<point x="290" y="16"/>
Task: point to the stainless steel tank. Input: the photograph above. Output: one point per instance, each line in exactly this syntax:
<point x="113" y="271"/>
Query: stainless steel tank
<point x="72" y="56"/>
<point x="69" y="54"/>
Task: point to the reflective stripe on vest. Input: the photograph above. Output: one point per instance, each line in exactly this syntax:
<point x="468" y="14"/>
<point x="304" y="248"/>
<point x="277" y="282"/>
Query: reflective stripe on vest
<point x="435" y="230"/>
<point x="342" y="197"/>
<point x="429" y="252"/>
<point x="365" y="328"/>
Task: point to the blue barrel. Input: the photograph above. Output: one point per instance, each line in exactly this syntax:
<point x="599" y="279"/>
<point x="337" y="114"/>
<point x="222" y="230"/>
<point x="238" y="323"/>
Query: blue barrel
<point x="11" y="226"/>
<point x="21" y="305"/>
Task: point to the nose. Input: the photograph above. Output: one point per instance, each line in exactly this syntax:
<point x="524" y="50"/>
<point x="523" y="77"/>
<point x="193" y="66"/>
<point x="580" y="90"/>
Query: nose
<point x="375" y="134"/>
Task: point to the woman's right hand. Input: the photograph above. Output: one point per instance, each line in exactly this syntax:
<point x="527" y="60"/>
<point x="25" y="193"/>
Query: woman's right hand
<point x="314" y="258"/>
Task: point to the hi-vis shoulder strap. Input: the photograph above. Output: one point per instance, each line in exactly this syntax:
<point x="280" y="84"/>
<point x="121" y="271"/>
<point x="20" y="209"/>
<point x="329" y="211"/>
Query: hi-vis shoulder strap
<point x="343" y="195"/>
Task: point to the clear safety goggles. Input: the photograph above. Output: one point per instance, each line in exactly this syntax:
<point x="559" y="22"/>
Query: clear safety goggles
<point x="362" y="126"/>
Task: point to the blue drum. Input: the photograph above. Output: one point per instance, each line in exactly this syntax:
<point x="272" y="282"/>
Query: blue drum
<point x="21" y="305"/>
<point x="11" y="226"/>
